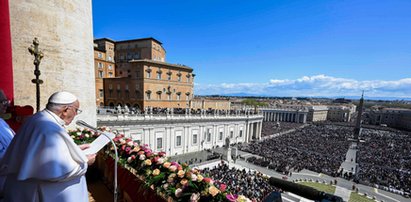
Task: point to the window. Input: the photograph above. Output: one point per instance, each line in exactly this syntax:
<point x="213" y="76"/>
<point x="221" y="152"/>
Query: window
<point x="110" y="74"/>
<point x="241" y="133"/>
<point x="159" y="96"/>
<point x="221" y="135"/>
<point x="100" y="65"/>
<point x="159" y="143"/>
<point x="208" y="135"/>
<point x="109" y="58"/>
<point x="231" y="134"/>
<point x="169" y="96"/>
<point x="179" y="77"/>
<point x="100" y="55"/>
<point x="194" y="138"/>
<point x="178" y="96"/>
<point x="100" y="74"/>
<point x="148" y="74"/>
<point x="101" y="92"/>
<point x="159" y="75"/>
<point x="110" y="67"/>
<point x="178" y="141"/>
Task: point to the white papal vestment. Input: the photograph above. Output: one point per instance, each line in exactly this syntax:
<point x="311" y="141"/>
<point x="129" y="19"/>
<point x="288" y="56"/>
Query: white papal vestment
<point x="44" y="164"/>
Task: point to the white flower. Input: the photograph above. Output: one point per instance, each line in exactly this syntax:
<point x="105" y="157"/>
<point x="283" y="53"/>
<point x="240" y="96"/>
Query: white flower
<point x="178" y="192"/>
<point x="193" y="177"/>
<point x="160" y="161"/>
<point x="129" y="159"/>
<point x="131" y="143"/>
<point x="87" y="135"/>
<point x="142" y="157"/>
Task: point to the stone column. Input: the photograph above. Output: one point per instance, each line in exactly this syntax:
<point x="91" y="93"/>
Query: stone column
<point x="65" y="34"/>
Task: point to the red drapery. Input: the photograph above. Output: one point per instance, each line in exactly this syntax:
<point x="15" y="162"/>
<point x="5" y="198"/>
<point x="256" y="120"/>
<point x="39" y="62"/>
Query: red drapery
<point x="6" y="66"/>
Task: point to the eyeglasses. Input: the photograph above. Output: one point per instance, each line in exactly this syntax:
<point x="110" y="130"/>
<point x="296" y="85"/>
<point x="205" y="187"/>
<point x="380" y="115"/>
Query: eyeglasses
<point x="78" y="111"/>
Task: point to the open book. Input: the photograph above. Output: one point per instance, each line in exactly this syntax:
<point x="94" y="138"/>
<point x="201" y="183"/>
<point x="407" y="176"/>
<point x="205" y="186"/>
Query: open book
<point x="99" y="143"/>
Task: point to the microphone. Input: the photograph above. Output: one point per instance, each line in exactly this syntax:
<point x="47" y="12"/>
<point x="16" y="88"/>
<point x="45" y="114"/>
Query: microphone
<point x="302" y="190"/>
<point x="86" y="125"/>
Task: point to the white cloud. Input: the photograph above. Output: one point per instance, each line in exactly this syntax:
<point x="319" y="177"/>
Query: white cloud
<point x="317" y="85"/>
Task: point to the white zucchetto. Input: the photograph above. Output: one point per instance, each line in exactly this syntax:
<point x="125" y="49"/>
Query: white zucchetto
<point x="62" y="97"/>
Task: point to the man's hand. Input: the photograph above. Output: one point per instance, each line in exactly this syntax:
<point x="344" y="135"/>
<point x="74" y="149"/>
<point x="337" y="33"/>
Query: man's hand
<point x="91" y="158"/>
<point x="84" y="146"/>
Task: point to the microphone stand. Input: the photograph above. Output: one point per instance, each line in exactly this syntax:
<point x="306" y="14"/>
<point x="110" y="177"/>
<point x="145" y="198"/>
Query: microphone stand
<point x="84" y="124"/>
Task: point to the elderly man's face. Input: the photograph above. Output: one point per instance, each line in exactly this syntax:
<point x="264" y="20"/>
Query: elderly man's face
<point x="70" y="112"/>
<point x="4" y="102"/>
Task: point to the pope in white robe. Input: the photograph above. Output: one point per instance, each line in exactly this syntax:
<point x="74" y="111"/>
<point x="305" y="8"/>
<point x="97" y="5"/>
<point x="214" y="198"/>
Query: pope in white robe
<point x="42" y="163"/>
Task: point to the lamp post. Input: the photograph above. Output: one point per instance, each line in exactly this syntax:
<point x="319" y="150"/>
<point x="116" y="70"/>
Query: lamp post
<point x="38" y="55"/>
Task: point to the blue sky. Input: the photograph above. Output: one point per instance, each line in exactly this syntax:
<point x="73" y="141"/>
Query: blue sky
<point x="278" y="48"/>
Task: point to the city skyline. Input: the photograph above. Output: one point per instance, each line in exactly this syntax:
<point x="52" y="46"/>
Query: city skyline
<point x="282" y="48"/>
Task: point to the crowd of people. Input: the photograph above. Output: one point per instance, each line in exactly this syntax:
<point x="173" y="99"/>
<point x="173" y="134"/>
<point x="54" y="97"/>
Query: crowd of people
<point x="177" y="111"/>
<point x="385" y="159"/>
<point x="270" y="128"/>
<point x="252" y="184"/>
<point x="320" y="148"/>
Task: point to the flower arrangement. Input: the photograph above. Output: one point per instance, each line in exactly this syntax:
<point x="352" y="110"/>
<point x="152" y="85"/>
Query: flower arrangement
<point x="82" y="135"/>
<point x="169" y="179"/>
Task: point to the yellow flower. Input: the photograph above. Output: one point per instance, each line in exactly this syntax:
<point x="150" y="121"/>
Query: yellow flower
<point x="200" y="178"/>
<point x="180" y="173"/>
<point x="213" y="191"/>
<point x="242" y="198"/>
<point x="147" y="162"/>
<point x="156" y="172"/>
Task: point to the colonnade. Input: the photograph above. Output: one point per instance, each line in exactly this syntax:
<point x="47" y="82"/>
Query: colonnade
<point x="284" y="116"/>
<point x="253" y="131"/>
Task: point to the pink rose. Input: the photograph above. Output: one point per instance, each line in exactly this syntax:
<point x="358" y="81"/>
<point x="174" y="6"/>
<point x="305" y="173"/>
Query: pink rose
<point x="160" y="161"/>
<point x="208" y="180"/>
<point x="223" y="187"/>
<point x="173" y="168"/>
